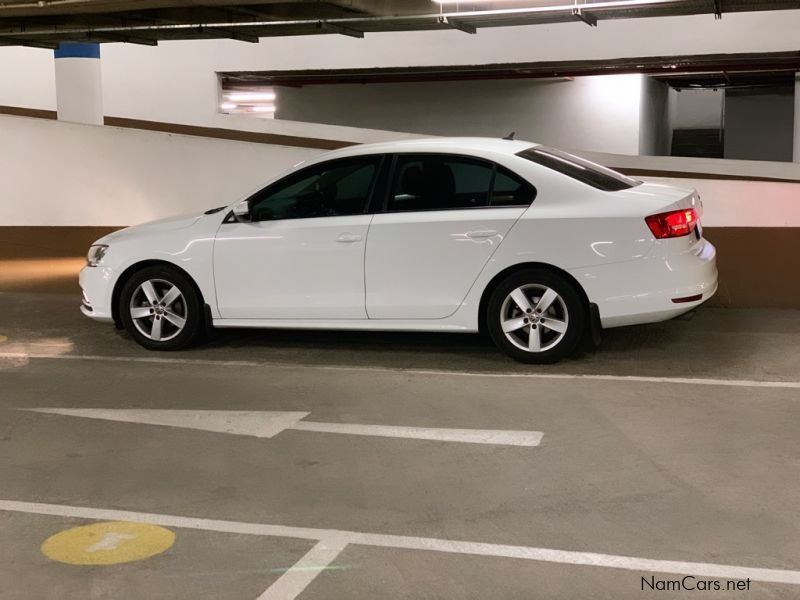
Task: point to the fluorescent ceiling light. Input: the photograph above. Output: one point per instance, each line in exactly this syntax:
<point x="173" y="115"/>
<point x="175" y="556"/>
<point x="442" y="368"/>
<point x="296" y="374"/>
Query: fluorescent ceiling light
<point x="264" y="108"/>
<point x="228" y="105"/>
<point x="251" y="96"/>
<point x="589" y="6"/>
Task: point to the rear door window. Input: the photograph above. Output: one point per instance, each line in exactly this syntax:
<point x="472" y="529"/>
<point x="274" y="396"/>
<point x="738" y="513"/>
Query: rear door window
<point x="439" y="182"/>
<point x="442" y="182"/>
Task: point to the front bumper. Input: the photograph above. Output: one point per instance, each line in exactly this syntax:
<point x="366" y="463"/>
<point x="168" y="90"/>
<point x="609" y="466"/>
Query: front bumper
<point x="97" y="286"/>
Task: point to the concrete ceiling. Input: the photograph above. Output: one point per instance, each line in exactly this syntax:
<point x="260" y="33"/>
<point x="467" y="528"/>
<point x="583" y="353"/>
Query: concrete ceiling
<point x="46" y="23"/>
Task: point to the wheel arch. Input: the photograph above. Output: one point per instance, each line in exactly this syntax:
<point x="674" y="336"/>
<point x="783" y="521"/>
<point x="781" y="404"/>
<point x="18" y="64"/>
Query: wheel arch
<point x="133" y="269"/>
<point x="495" y="281"/>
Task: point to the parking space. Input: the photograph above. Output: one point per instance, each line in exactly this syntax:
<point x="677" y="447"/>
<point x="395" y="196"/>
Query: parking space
<point x="200" y="564"/>
<point x="619" y="479"/>
<point x="406" y="574"/>
<point x="749" y="344"/>
<point x="255" y="191"/>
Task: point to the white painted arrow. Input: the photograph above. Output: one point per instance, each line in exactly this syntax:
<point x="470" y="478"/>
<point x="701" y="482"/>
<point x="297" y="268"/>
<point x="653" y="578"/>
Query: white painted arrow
<point x="238" y="422"/>
<point x="266" y="424"/>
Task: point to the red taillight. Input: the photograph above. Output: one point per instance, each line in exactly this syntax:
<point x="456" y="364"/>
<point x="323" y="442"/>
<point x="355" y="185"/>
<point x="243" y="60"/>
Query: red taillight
<point x="672" y="224"/>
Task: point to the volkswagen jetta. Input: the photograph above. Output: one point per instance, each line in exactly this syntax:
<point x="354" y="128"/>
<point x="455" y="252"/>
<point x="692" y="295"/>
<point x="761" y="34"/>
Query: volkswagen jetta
<point x="535" y="246"/>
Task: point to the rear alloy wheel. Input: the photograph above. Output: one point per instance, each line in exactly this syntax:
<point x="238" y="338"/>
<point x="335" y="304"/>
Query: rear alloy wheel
<point x="160" y="309"/>
<point x="535" y="316"/>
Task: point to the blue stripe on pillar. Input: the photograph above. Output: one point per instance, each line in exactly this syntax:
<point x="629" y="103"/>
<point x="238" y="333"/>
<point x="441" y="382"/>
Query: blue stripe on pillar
<point x="77" y="50"/>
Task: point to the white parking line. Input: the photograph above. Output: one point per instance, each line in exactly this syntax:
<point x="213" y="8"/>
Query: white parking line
<point x="468" y="436"/>
<point x="504" y="375"/>
<point x="134" y="359"/>
<point x="335" y="537"/>
<point x="266" y="424"/>
<point x="296" y="579"/>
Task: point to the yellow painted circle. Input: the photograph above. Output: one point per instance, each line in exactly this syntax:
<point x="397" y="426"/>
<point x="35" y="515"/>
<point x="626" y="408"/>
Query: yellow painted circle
<point x="107" y="543"/>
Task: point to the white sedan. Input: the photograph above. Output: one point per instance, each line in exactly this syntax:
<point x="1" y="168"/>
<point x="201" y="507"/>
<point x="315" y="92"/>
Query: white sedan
<point x="537" y="247"/>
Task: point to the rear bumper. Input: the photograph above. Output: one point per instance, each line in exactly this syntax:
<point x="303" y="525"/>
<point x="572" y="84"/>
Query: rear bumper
<point x="642" y="291"/>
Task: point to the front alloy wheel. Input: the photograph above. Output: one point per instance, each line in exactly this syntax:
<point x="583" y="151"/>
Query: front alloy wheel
<point x="535" y="316"/>
<point x="160" y="308"/>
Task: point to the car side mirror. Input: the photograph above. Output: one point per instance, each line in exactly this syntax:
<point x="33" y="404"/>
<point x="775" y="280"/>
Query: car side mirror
<point x="241" y="212"/>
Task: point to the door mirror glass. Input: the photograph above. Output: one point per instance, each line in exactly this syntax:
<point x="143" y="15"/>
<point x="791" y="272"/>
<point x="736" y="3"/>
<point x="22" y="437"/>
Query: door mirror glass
<point x="241" y="212"/>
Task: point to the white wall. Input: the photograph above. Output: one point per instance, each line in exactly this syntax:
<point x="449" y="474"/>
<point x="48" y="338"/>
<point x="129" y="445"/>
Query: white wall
<point x="27" y="78"/>
<point x="175" y="81"/>
<point x="759" y="124"/>
<point x="185" y="70"/>
<point x="79" y="90"/>
<point x="729" y="203"/>
<point x="593" y="113"/>
<point x="698" y="109"/>
<point x="655" y="129"/>
<point x="57" y="173"/>
<point x="726" y="202"/>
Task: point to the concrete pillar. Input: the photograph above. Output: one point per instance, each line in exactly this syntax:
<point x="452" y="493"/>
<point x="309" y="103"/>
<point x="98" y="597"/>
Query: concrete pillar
<point x="797" y="117"/>
<point x="79" y="90"/>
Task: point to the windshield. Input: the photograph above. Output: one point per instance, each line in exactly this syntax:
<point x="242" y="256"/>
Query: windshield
<point x="585" y="171"/>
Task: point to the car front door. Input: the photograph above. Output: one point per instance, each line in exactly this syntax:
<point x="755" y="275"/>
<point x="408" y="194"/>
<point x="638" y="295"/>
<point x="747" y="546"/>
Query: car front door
<point x="302" y="254"/>
<point x="444" y="217"/>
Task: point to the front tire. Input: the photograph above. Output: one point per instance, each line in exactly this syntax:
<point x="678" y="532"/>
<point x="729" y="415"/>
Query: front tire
<point x="160" y="309"/>
<point x="535" y="316"/>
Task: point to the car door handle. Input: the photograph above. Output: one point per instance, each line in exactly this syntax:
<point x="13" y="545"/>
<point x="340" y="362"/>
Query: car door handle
<point x="483" y="233"/>
<point x="348" y="238"/>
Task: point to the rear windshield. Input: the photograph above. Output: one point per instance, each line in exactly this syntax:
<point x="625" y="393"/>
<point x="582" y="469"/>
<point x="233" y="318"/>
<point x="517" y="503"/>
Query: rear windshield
<point x="590" y="173"/>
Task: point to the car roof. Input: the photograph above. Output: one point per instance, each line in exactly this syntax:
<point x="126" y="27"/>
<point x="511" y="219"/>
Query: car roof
<point x="457" y="145"/>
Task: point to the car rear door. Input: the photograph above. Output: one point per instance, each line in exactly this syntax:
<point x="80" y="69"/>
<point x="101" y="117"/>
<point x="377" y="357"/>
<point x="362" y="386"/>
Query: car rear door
<point x="443" y="218"/>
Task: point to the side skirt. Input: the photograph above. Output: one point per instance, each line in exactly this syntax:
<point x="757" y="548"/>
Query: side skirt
<point x="442" y="325"/>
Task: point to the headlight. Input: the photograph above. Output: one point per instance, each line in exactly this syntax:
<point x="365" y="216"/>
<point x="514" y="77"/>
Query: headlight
<point x="95" y="255"/>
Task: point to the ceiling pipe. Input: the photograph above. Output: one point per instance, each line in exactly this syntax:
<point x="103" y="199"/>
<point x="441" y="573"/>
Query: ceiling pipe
<point x="42" y="4"/>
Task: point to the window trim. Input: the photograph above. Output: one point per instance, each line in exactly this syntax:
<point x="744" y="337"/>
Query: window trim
<point x="383" y="184"/>
<point x="389" y="184"/>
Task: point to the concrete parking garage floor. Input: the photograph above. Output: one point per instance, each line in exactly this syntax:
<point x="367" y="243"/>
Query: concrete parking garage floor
<point x="672" y="451"/>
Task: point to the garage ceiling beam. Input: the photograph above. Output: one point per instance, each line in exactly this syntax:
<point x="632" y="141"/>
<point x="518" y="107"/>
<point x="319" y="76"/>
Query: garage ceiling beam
<point x="128" y="39"/>
<point x="340" y="29"/>
<point x="384" y="8"/>
<point x="252" y="12"/>
<point x="219" y="32"/>
<point x="460" y="25"/>
<point x="7" y="41"/>
<point x="587" y="18"/>
<point x="765" y="63"/>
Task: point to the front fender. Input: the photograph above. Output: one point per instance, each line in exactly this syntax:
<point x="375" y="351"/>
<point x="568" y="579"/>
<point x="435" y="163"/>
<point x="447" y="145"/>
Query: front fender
<point x="190" y="249"/>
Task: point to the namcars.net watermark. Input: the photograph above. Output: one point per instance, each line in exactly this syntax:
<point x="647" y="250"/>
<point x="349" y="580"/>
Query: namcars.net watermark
<point x="690" y="583"/>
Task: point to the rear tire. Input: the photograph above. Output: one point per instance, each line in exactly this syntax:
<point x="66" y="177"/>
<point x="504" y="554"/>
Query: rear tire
<point x="536" y="316"/>
<point x="160" y="309"/>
